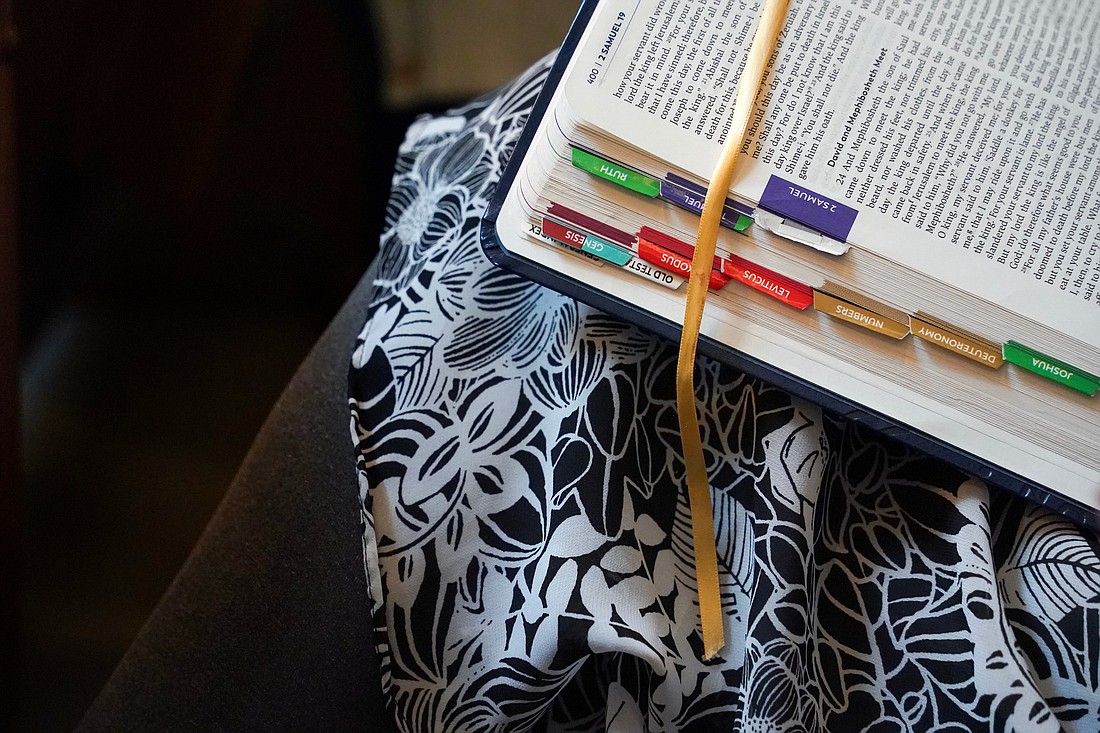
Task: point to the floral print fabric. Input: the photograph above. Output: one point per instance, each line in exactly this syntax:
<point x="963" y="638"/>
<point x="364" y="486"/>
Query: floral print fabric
<point x="527" y="539"/>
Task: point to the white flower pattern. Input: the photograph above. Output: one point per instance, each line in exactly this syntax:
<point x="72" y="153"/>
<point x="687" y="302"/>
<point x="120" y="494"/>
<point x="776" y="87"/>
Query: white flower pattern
<point x="528" y="544"/>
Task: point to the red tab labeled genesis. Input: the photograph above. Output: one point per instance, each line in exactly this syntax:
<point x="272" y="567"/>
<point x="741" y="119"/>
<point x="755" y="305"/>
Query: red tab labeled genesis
<point x="782" y="288"/>
<point x="597" y="227"/>
<point x="562" y="233"/>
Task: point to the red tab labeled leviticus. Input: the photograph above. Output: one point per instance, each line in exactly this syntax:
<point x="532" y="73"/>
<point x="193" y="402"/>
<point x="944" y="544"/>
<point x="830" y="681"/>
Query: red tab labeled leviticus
<point x="783" y="289"/>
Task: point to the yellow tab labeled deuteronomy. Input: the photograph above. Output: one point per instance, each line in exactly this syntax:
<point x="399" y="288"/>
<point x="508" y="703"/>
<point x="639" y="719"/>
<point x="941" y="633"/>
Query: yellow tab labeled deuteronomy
<point x="860" y="315"/>
<point x="956" y="340"/>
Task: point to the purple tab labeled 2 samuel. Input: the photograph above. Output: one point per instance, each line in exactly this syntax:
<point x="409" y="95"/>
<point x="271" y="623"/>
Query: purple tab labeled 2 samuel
<point x="820" y="213"/>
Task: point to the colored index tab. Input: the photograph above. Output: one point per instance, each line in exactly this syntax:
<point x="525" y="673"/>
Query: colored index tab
<point x="1051" y="368"/>
<point x="688" y="195"/>
<point x="673" y="245"/>
<point x="686" y="199"/>
<point x="536" y="231"/>
<point x="673" y="262"/>
<point x="820" y="213"/>
<point x="858" y="315"/>
<point x="616" y="173"/>
<point x="606" y="251"/>
<point x="781" y="288"/>
<point x="701" y="193"/>
<point x="717" y="280"/>
<point x="586" y="242"/>
<point x="562" y="233"/>
<point x="956" y="340"/>
<point x="587" y="223"/>
<point x="664" y="259"/>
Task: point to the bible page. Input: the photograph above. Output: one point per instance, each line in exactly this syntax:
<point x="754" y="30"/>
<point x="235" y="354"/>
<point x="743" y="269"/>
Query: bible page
<point x="964" y="133"/>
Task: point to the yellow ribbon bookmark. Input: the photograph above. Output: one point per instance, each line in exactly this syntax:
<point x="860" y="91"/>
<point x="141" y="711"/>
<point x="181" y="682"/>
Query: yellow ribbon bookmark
<point x="702" y="517"/>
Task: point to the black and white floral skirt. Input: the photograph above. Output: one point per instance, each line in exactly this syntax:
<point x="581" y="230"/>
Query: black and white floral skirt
<point x="527" y="538"/>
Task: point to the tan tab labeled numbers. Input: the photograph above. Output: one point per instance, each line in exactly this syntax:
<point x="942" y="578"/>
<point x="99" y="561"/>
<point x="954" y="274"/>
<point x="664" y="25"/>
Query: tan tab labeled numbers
<point x="859" y="315"/>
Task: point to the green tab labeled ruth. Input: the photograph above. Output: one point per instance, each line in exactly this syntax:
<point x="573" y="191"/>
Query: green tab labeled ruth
<point x="1050" y="368"/>
<point x="615" y="173"/>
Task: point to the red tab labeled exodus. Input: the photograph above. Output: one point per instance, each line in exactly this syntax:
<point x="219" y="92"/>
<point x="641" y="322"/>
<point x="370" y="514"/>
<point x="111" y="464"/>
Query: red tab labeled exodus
<point x="673" y="262"/>
<point x="674" y="245"/>
<point x="664" y="259"/>
<point x="782" y="288"/>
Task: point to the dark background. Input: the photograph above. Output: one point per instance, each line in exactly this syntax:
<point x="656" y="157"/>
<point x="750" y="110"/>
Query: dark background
<point x="199" y="186"/>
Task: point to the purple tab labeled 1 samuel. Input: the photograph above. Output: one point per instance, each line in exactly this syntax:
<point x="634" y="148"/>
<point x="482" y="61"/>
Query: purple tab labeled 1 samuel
<point x="700" y="192"/>
<point x="820" y="213"/>
<point x="693" y="202"/>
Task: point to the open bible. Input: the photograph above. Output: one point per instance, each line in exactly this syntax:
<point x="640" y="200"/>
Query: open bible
<point x="913" y="235"/>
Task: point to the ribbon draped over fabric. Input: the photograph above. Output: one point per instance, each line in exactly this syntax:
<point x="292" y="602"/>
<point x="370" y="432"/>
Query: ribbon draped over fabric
<point x="702" y="520"/>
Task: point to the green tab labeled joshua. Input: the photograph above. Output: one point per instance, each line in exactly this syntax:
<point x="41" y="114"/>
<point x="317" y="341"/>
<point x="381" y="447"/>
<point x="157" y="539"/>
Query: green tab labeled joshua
<point x="1053" y="369"/>
<point x="615" y="173"/>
